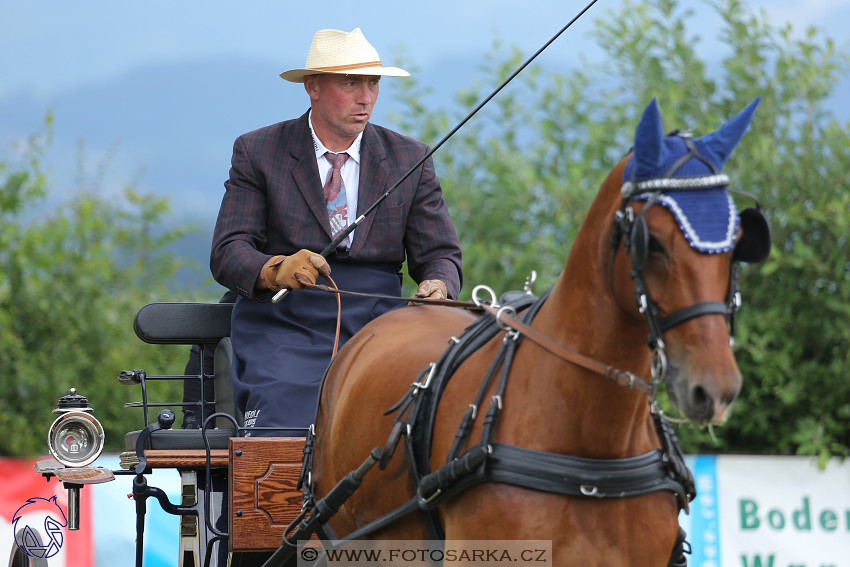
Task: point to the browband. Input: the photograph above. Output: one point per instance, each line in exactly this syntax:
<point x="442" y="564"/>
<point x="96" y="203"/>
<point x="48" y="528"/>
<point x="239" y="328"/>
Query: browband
<point x="632" y="188"/>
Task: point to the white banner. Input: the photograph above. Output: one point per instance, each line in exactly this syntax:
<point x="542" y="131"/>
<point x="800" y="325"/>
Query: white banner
<point x="754" y="511"/>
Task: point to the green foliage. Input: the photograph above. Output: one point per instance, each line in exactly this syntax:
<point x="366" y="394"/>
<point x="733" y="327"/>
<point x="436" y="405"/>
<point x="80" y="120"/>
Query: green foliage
<point x="520" y="175"/>
<point x="518" y="178"/>
<point x="71" y="280"/>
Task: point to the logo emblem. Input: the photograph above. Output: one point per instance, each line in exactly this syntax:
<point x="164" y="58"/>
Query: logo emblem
<point x="27" y="539"/>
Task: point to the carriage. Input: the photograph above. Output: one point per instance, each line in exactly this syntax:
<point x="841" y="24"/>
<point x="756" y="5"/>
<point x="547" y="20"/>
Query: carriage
<point x="515" y="417"/>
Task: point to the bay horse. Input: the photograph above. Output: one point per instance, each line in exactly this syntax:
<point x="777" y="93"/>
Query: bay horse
<point x="654" y="262"/>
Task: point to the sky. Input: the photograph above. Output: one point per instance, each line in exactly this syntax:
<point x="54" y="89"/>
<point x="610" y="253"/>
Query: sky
<point x="163" y="87"/>
<point x="50" y="46"/>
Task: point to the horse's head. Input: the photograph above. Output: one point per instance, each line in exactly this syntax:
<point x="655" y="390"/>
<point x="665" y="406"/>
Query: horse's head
<point x="683" y="234"/>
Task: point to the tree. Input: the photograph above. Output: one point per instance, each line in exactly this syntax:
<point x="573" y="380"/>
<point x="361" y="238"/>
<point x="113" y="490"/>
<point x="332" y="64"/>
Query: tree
<point x="519" y="177"/>
<point x="71" y="281"/>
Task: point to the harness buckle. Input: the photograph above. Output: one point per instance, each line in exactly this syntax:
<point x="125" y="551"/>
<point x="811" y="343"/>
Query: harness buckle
<point x="417" y="386"/>
<point x="643" y="304"/>
<point x="424" y="501"/>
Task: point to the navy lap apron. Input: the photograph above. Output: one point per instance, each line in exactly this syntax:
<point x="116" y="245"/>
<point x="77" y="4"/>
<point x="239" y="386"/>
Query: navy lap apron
<point x="281" y="350"/>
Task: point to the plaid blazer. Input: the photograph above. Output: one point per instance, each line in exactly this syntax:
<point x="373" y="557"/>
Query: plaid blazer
<point x="273" y="204"/>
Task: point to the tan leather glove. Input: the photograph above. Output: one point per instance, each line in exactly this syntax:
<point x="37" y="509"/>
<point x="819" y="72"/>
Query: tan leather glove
<point x="432" y="289"/>
<point x="293" y="271"/>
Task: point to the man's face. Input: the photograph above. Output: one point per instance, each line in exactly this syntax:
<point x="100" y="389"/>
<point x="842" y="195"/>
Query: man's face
<point x="342" y="106"/>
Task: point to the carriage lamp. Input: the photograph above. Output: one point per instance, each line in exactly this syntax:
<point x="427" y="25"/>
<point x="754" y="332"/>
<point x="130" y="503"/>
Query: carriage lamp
<point x="76" y="438"/>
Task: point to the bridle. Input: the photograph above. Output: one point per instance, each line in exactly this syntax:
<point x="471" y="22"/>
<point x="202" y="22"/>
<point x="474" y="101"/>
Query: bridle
<point x="631" y="229"/>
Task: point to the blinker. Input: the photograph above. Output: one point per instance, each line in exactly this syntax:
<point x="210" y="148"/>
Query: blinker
<point x="639" y="243"/>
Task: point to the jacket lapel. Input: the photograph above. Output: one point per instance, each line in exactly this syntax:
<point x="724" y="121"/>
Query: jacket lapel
<point x="305" y="172"/>
<point x="373" y="183"/>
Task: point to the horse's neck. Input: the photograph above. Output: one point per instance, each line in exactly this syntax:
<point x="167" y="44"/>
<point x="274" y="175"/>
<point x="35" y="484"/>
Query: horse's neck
<point x="583" y="299"/>
<point x="583" y="314"/>
<point x="591" y="318"/>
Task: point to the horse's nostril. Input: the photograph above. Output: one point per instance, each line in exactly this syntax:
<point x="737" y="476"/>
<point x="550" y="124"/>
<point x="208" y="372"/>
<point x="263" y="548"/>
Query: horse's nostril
<point x="701" y="401"/>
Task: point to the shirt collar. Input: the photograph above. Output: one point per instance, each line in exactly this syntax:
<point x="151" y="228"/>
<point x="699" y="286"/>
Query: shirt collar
<point x="353" y="150"/>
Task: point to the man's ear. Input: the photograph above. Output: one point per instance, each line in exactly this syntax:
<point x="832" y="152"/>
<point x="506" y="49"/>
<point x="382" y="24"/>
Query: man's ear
<point x="311" y="85"/>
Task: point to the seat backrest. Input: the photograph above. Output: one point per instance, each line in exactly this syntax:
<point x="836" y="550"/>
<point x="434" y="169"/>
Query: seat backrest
<point x="201" y="325"/>
<point x="183" y="323"/>
<point x="223" y="384"/>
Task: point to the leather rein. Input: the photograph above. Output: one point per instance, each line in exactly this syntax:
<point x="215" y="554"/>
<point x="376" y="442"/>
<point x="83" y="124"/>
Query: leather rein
<point x="505" y="318"/>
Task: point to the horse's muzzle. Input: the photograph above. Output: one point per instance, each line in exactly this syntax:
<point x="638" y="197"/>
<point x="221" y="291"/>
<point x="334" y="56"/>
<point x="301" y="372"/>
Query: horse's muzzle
<point x="703" y="399"/>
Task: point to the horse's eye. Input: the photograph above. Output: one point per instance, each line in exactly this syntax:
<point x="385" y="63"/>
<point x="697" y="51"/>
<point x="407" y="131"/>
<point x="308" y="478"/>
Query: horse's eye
<point x="655" y="246"/>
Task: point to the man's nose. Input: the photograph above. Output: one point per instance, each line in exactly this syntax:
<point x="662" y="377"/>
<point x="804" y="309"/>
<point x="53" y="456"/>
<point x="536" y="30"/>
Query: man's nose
<point x="365" y="94"/>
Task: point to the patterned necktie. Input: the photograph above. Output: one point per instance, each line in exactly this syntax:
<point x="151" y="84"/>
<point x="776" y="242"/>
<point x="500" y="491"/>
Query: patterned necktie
<point x="334" y="190"/>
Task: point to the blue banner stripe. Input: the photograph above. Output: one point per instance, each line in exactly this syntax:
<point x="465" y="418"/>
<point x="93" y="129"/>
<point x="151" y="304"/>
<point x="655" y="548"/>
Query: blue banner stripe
<point x="704" y="535"/>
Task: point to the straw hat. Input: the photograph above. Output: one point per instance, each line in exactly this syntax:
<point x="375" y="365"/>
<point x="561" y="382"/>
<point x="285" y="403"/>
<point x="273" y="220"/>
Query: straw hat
<point x="344" y="53"/>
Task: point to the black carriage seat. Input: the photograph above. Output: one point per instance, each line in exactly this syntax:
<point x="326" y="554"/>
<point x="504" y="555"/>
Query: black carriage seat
<point x="192" y="324"/>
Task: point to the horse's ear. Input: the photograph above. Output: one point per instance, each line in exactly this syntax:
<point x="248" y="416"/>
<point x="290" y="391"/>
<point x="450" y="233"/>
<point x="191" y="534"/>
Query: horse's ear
<point x="756" y="237"/>
<point x="649" y="143"/>
<point x="719" y="144"/>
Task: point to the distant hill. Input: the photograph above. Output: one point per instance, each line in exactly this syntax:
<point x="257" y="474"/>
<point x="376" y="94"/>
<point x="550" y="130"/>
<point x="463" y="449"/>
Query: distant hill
<point x="169" y="130"/>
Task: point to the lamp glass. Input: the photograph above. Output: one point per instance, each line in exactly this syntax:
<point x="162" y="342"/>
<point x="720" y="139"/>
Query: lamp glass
<point x="76" y="439"/>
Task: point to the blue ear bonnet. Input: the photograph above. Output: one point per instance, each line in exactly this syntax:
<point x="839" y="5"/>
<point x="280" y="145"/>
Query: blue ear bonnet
<point x="672" y="148"/>
<point x="707" y="217"/>
<point x="692" y="188"/>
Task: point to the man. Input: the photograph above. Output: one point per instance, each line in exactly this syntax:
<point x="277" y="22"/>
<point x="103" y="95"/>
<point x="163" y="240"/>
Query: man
<point x="286" y="199"/>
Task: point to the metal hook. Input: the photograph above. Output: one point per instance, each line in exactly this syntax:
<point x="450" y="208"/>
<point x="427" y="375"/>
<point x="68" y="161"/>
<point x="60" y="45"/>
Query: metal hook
<point x="529" y="282"/>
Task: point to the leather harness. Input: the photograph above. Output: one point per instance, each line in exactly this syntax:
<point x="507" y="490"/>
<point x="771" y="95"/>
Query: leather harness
<point x="661" y="469"/>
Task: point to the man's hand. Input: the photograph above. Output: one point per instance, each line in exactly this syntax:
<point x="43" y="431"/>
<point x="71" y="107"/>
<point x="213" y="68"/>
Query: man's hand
<point x="293" y="271"/>
<point x="432" y="289"/>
